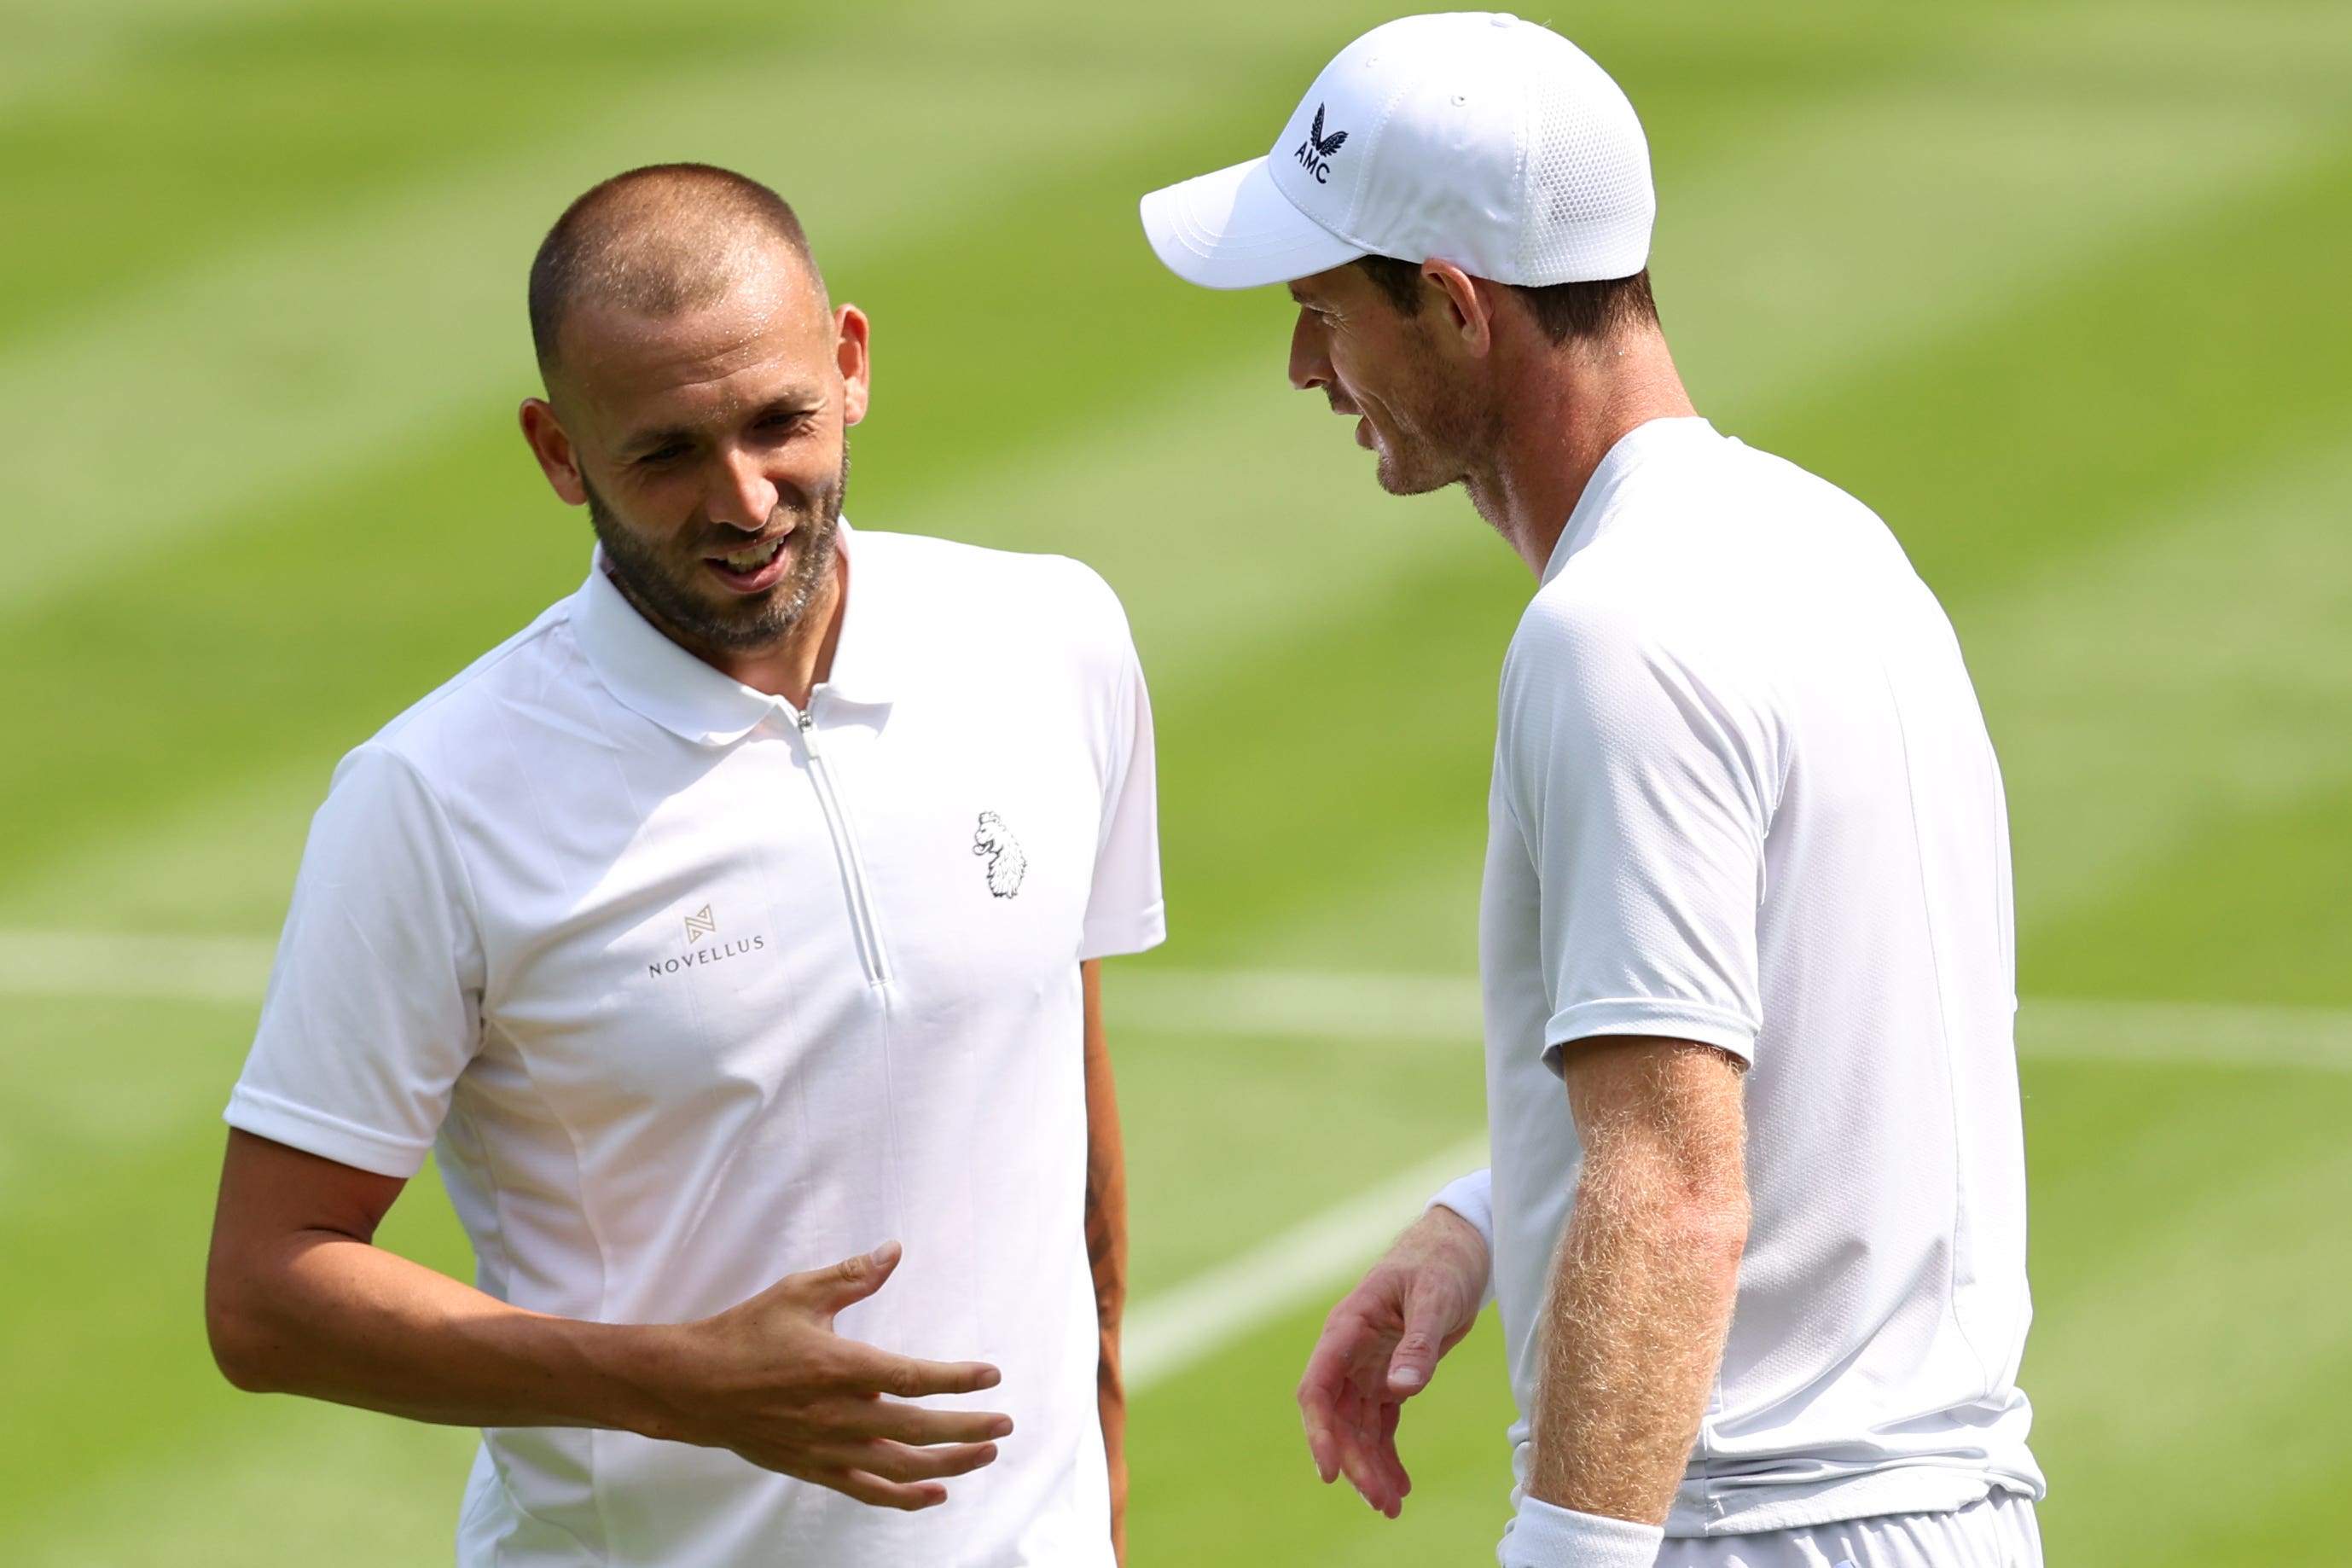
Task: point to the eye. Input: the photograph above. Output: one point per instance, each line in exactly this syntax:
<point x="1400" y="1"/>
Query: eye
<point x="662" y="456"/>
<point x="784" y="422"/>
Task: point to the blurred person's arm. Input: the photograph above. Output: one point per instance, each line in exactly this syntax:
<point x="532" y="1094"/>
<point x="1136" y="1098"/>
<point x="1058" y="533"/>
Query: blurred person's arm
<point x="1641" y="1295"/>
<point x="1107" y="1245"/>
<point x="298" y="1299"/>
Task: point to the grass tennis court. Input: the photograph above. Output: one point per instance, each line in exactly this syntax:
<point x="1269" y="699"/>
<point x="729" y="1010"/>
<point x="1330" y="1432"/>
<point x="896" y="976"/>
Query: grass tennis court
<point x="2058" y="288"/>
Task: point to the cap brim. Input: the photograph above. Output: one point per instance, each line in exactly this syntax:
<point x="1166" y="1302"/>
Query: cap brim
<point x="1234" y="229"/>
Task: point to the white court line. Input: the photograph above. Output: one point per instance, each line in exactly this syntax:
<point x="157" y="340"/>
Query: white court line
<point x="1312" y="1262"/>
<point x="1276" y="1004"/>
<point x="1445" y="1008"/>
<point x="1307" y="1265"/>
<point x="68" y="964"/>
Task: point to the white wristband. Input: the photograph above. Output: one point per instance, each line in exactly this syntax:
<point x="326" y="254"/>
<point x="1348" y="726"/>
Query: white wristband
<point x="1543" y="1536"/>
<point x="1472" y="1197"/>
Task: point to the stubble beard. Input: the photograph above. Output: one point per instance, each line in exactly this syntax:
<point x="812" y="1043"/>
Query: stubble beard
<point x="1447" y="435"/>
<point x="657" y="583"/>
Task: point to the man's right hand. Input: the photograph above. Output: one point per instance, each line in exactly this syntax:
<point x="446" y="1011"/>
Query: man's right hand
<point x="770" y="1379"/>
<point x="1380" y="1346"/>
<point x="298" y="1299"/>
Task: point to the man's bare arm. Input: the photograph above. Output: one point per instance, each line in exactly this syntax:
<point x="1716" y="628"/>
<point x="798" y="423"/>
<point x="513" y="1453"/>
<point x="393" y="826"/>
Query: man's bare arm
<point x="1107" y="1244"/>
<point x="298" y="1299"/>
<point x="1643" y="1281"/>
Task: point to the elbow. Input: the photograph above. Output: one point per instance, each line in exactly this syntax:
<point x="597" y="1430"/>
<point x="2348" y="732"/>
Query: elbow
<point x="241" y="1342"/>
<point x="1710" y="1231"/>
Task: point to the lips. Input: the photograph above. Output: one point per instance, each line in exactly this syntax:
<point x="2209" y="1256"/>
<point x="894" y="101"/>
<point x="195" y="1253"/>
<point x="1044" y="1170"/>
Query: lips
<point x="1346" y="409"/>
<point x="754" y="568"/>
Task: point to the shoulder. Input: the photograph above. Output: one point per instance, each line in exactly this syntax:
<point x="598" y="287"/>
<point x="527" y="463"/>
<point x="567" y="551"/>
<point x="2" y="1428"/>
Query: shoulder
<point x="1002" y="596"/>
<point x="928" y="559"/>
<point x="443" y="736"/>
<point x="1604" y="617"/>
<point x="1619" y="652"/>
<point x="1717" y="552"/>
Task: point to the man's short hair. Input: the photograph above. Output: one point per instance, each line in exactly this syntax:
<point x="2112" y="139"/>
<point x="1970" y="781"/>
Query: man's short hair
<point x="655" y="241"/>
<point x="1564" y="311"/>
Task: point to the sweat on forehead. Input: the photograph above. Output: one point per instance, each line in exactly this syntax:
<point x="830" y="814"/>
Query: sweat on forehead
<point x="657" y="241"/>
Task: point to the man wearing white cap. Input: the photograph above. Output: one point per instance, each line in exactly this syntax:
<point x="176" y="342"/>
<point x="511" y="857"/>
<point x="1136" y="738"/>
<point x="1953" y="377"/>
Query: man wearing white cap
<point x="1761" y="1266"/>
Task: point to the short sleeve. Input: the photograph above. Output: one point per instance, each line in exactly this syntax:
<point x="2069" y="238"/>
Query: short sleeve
<point x="1124" y="909"/>
<point x="1642" y="777"/>
<point x="374" y="1005"/>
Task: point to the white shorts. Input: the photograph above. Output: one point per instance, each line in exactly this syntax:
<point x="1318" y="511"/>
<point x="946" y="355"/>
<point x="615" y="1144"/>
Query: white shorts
<point x="1998" y="1533"/>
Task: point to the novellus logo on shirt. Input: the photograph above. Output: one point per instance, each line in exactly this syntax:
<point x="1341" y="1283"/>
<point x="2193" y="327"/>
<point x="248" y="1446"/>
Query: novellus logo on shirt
<point x="699" y="925"/>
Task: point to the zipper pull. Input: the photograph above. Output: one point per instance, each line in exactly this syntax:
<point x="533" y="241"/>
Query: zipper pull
<point x="808" y="735"/>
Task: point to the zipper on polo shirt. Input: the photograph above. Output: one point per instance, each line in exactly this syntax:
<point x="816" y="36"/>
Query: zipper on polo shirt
<point x="844" y="845"/>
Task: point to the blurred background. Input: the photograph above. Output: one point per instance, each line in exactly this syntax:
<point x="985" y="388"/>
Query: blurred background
<point x="2059" y="288"/>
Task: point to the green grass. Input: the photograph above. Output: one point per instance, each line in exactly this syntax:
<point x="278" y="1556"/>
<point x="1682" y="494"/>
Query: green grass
<point x="2054" y="287"/>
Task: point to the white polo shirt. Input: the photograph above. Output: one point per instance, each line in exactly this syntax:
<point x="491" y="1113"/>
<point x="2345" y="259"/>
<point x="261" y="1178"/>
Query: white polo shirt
<point x="1743" y="795"/>
<point x="695" y="991"/>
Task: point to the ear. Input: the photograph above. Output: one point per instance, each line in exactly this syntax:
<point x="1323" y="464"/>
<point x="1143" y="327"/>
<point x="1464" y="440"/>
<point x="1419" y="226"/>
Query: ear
<point x="557" y="459"/>
<point x="852" y="352"/>
<point x="1469" y="311"/>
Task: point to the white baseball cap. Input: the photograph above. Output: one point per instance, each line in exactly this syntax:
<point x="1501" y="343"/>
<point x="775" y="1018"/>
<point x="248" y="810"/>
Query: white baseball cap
<point x="1472" y="137"/>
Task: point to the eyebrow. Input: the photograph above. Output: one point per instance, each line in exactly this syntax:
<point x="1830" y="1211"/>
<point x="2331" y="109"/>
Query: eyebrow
<point x="654" y="440"/>
<point x="804" y="400"/>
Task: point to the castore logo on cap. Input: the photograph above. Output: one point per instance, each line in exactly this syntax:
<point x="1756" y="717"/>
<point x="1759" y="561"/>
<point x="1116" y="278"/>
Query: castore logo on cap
<point x="1313" y="155"/>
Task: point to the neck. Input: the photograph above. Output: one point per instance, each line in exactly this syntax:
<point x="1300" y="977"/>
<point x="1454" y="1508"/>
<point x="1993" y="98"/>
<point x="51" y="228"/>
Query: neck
<point x="793" y="665"/>
<point x="1565" y="407"/>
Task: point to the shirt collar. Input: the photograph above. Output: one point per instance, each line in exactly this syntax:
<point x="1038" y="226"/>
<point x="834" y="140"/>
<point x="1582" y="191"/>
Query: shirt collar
<point x="656" y="678"/>
<point x="1634" y="448"/>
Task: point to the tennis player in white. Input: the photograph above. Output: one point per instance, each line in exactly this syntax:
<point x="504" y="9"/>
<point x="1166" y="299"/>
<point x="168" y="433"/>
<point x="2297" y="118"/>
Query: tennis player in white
<point x="731" y="934"/>
<point x="1756" y="1218"/>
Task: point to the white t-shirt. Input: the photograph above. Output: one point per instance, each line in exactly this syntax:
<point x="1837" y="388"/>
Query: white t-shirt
<point x="686" y="1013"/>
<point x="1743" y="795"/>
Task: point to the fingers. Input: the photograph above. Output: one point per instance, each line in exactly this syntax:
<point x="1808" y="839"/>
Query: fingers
<point x="1350" y="1361"/>
<point x="1364" y="1437"/>
<point x="897" y="1462"/>
<point x="1319" y="1392"/>
<point x="891" y="1474"/>
<point x="921" y="1425"/>
<point x="888" y="1475"/>
<point x="909" y="1377"/>
<point x="874" y="1489"/>
<point x="1322" y="1442"/>
<point x="1357" y="1430"/>
<point x="1415" y="1361"/>
<point x="853" y="1279"/>
<point x="1399" y="1481"/>
<point x="1316" y="1392"/>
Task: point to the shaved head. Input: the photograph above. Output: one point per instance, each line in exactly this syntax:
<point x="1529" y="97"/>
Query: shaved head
<point x="657" y="242"/>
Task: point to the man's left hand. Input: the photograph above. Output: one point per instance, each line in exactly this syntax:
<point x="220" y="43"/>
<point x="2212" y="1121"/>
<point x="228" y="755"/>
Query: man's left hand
<point x="1380" y="1346"/>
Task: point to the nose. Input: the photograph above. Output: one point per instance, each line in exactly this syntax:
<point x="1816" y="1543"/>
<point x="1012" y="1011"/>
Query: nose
<point x="1310" y="363"/>
<point x="745" y="497"/>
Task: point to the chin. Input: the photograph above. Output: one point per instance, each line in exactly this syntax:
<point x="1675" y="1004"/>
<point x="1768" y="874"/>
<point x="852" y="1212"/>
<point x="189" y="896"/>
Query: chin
<point x="1399" y="480"/>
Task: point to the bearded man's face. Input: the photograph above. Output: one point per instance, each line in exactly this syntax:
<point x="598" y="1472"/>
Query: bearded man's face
<point x="710" y="445"/>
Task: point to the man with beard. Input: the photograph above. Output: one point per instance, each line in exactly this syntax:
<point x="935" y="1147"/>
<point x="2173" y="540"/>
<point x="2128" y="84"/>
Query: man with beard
<point x="731" y="934"/>
<point x="1756" y="1218"/>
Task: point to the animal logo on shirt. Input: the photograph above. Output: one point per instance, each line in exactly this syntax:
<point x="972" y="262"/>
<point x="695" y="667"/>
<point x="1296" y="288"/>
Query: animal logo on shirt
<point x="1005" y="862"/>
